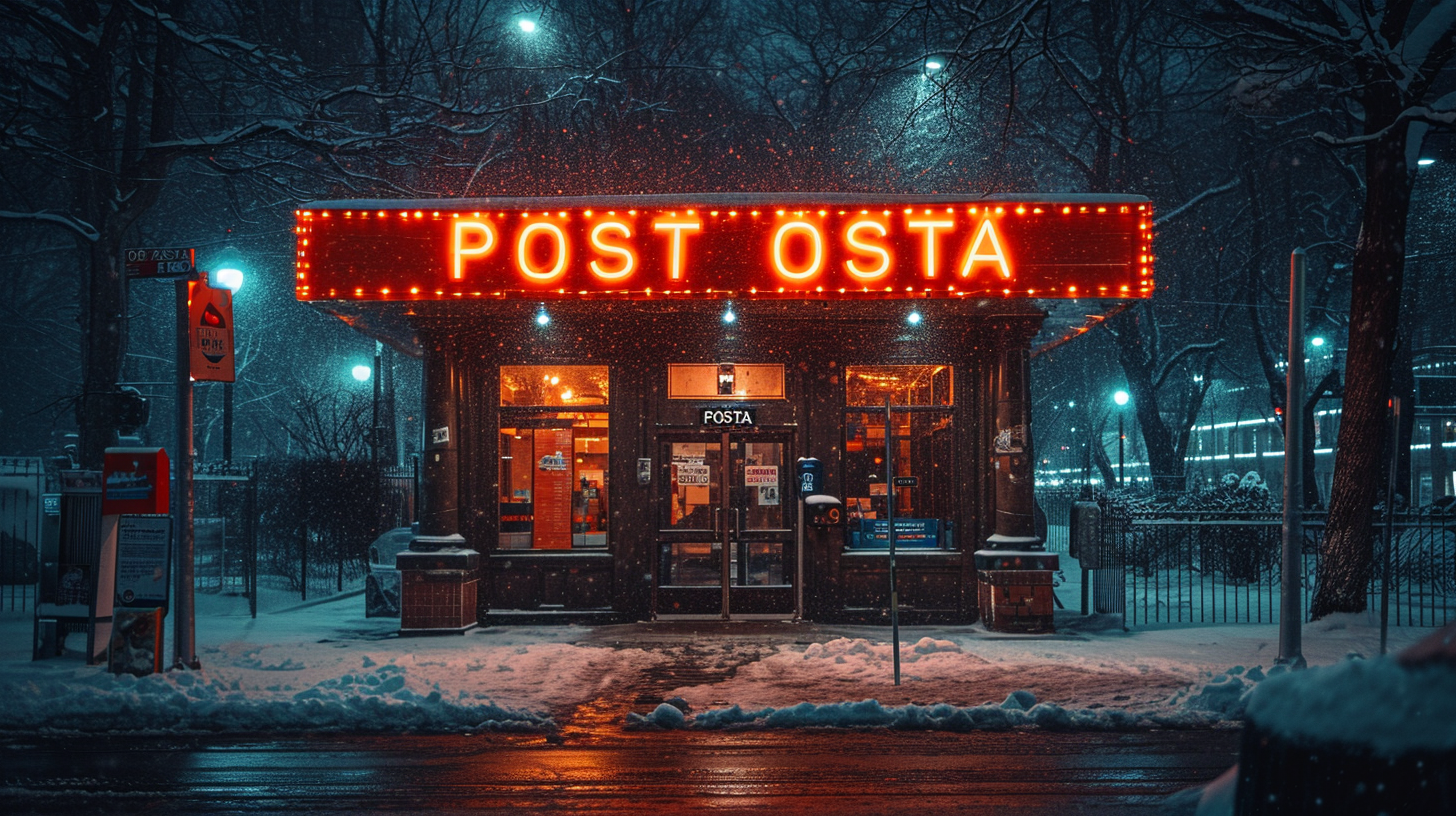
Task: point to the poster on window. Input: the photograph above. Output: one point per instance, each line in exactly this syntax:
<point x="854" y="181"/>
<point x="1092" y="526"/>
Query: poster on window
<point x="553" y="455"/>
<point x="754" y="475"/>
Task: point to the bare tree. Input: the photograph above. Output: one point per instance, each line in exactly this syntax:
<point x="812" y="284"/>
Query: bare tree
<point x="1386" y="63"/>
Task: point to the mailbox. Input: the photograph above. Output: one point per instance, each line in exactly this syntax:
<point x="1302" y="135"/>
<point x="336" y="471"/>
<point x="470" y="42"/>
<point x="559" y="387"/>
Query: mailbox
<point x="823" y="511"/>
<point x="810" y="473"/>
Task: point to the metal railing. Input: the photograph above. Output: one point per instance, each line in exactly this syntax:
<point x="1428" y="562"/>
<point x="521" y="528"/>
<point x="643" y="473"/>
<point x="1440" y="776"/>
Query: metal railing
<point x="1223" y="567"/>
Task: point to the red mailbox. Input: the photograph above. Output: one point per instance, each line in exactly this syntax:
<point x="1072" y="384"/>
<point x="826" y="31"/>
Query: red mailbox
<point x="135" y="480"/>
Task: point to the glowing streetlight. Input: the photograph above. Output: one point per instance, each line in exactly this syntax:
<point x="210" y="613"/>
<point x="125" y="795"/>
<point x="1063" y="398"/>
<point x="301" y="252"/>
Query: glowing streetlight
<point x="913" y="318"/>
<point x="228" y="277"/>
<point x="362" y="373"/>
<point x="1316" y="341"/>
<point x="728" y="315"/>
<point x="1425" y="162"/>
<point x="527" y="26"/>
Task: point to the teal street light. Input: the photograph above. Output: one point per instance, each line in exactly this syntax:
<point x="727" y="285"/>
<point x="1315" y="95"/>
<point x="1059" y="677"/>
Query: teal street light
<point x="228" y="277"/>
<point x="362" y="373"/>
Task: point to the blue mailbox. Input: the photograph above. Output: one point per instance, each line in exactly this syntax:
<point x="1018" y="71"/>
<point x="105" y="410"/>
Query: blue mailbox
<point x="810" y="472"/>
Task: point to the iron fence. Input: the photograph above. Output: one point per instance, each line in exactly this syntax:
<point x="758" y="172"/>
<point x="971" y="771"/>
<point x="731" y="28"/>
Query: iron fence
<point x="1224" y="567"/>
<point x="22" y="481"/>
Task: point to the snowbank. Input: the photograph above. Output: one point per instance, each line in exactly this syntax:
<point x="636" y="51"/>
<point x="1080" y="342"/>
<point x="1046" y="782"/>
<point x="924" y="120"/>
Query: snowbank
<point x="323" y="666"/>
<point x="1380" y="704"/>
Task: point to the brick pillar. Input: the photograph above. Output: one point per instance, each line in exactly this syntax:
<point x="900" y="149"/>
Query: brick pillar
<point x="1013" y="572"/>
<point x="439" y="511"/>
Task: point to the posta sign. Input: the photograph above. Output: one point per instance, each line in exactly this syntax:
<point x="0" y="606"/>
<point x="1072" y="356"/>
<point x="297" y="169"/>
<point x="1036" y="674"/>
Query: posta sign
<point x="726" y="246"/>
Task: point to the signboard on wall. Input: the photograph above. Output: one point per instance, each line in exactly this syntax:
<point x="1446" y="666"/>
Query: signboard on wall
<point x="726" y="246"/>
<point x="553" y="453"/>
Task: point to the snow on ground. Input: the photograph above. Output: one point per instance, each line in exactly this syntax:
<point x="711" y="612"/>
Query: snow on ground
<point x="323" y="666"/>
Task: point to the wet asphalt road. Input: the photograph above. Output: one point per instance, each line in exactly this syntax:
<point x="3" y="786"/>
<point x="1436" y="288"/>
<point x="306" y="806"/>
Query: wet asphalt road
<point x="611" y="771"/>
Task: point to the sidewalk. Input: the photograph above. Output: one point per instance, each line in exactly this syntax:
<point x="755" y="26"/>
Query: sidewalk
<point x="323" y="665"/>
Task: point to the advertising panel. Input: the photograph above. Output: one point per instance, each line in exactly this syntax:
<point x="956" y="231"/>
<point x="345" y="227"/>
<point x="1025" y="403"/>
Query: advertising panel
<point x="210" y="332"/>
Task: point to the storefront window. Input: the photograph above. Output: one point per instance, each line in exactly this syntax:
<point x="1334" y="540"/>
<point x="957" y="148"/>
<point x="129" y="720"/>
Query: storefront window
<point x="548" y="385"/>
<point x="553" y="482"/>
<point x="922" y="443"/>
<point x="553" y="464"/>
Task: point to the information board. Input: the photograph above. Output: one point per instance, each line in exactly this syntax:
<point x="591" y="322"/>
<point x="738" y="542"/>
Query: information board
<point x="143" y="551"/>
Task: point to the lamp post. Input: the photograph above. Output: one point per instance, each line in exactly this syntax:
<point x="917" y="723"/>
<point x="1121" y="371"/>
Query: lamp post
<point x="362" y="373"/>
<point x="1121" y="399"/>
<point x="229" y="278"/>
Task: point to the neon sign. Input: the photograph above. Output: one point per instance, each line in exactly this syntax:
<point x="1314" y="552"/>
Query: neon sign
<point x="726" y="246"/>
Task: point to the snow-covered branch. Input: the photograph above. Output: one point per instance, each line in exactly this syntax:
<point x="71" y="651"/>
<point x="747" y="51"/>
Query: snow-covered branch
<point x="75" y="225"/>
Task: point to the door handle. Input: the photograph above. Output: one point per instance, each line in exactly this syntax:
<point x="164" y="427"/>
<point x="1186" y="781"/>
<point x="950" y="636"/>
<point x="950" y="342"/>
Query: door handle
<point x="717" y="512"/>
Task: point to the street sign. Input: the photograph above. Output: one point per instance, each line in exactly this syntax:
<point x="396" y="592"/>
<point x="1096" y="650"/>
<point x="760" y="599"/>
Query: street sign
<point x="907" y="481"/>
<point x="160" y="263"/>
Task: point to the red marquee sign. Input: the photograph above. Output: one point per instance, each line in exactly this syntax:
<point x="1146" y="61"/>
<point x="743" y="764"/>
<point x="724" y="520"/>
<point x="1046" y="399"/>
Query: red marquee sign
<point x="726" y="246"/>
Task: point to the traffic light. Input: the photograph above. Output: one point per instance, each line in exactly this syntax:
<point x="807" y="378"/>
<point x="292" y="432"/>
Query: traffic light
<point x="129" y="409"/>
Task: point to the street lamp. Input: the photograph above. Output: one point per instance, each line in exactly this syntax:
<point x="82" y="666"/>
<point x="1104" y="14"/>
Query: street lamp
<point x="362" y="372"/>
<point x="230" y="278"/>
<point x="1121" y="399"/>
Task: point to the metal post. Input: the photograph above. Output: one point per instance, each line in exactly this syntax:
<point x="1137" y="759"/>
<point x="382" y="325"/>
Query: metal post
<point x="1291" y="604"/>
<point x="184" y="649"/>
<point x="799" y="563"/>
<point x="890" y="521"/>
<point x="374" y="432"/>
<point x="1120" y="437"/>
<point x="227" y="422"/>
<point x="1394" y="455"/>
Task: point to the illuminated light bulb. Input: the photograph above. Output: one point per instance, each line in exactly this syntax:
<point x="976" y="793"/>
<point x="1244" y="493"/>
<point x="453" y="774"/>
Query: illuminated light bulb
<point x="728" y="315"/>
<point x="542" y="318"/>
<point x="527" y="26"/>
<point x="913" y="318"/>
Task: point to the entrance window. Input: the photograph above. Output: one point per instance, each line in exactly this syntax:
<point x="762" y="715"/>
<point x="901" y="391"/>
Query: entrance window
<point x="922" y="445"/>
<point x="553" y="464"/>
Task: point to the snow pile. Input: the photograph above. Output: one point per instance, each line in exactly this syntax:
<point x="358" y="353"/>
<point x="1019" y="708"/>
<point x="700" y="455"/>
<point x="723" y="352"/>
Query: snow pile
<point x="377" y="700"/>
<point x="1390" y="708"/>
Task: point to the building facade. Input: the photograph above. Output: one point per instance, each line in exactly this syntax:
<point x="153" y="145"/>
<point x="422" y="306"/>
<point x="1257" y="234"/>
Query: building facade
<point x="618" y="391"/>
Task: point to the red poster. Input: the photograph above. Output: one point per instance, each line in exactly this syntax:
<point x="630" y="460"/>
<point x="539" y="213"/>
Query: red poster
<point x="210" y="332"/>
<point x="553" y="455"/>
<point x="135" y="480"/>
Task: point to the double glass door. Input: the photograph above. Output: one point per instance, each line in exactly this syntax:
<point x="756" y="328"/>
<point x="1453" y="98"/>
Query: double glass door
<point x="725" y="535"/>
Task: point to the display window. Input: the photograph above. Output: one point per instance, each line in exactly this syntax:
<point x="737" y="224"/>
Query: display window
<point x="921" y="444"/>
<point x="554" y="493"/>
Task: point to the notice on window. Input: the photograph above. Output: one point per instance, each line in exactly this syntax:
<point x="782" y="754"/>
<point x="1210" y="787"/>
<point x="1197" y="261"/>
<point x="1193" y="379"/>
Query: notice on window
<point x="692" y="475"/>
<point x="754" y="475"/>
<point x="552" y="522"/>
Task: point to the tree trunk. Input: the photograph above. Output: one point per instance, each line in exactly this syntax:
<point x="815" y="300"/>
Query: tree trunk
<point x="103" y="344"/>
<point x="1374" y="316"/>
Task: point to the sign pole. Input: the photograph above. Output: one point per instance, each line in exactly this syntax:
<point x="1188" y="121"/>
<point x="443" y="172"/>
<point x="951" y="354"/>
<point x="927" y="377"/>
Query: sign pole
<point x="1291" y="610"/>
<point x="184" y="649"/>
<point x="890" y="518"/>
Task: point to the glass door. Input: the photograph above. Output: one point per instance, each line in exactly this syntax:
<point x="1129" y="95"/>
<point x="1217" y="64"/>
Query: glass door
<point x="725" y="538"/>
